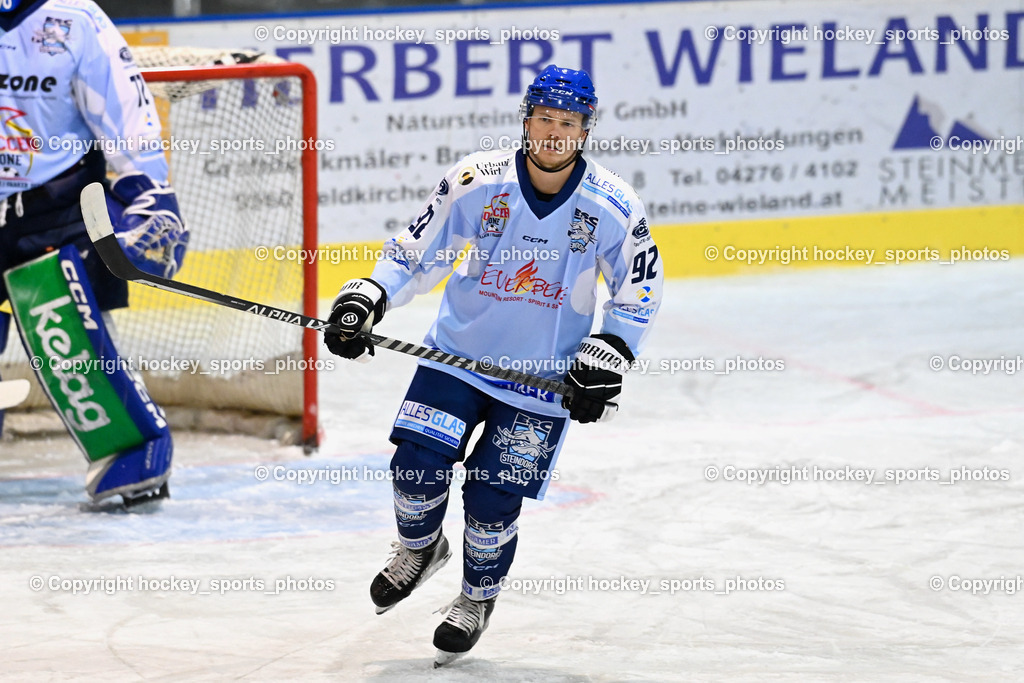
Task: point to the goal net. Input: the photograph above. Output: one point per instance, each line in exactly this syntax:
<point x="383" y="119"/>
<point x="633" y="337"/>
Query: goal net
<point x="238" y="130"/>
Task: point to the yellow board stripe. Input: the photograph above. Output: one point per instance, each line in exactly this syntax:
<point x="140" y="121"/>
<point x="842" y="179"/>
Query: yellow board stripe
<point x="931" y="235"/>
<point x="685" y="248"/>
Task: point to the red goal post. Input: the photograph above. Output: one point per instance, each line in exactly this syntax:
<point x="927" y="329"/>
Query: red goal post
<point x="309" y="199"/>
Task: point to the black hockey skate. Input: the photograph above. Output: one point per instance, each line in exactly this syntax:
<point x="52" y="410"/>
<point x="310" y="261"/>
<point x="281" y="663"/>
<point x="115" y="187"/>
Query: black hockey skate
<point x="460" y="630"/>
<point x="407" y="570"/>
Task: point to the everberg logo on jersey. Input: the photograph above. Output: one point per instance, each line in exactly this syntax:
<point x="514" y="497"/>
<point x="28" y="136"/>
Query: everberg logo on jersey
<point x="524" y="285"/>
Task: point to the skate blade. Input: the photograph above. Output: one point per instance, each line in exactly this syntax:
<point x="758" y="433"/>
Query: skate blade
<point x="147" y="500"/>
<point x="426" y="575"/>
<point x="444" y="658"/>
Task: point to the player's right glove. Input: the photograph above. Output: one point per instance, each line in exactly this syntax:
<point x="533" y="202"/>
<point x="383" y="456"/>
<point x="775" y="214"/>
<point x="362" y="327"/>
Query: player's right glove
<point x="596" y="377"/>
<point x="358" y="307"/>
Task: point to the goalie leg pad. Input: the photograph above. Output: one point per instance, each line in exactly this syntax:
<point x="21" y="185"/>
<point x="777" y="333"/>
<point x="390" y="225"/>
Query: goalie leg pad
<point x="141" y="468"/>
<point x="98" y="395"/>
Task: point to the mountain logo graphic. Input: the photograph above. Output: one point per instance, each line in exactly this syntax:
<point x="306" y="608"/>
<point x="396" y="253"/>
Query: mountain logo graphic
<point x="922" y="124"/>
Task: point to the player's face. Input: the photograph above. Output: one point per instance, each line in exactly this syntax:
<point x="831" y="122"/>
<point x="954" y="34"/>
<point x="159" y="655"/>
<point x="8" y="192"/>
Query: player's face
<point x="554" y="135"/>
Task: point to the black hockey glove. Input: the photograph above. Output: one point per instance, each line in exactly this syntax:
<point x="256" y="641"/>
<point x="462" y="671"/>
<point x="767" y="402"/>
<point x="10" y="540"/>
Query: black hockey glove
<point x="596" y="377"/>
<point x="359" y="306"/>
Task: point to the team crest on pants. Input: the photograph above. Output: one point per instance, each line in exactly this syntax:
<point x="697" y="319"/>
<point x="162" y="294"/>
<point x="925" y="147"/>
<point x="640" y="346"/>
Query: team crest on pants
<point x="526" y="447"/>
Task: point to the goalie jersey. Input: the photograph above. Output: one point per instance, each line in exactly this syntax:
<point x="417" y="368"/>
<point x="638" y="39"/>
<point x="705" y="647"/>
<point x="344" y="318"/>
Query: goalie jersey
<point x="525" y="292"/>
<point x="55" y="52"/>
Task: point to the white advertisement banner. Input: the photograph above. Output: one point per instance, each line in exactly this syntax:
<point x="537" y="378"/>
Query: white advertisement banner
<point x="713" y="111"/>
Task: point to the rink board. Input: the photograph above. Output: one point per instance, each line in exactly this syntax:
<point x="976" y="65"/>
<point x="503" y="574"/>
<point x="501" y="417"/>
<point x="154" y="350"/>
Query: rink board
<point x="715" y="112"/>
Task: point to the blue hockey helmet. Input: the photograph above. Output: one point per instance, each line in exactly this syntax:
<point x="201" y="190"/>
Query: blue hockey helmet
<point x="565" y="89"/>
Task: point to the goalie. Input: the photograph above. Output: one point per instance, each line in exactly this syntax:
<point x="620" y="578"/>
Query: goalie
<point x="73" y="89"/>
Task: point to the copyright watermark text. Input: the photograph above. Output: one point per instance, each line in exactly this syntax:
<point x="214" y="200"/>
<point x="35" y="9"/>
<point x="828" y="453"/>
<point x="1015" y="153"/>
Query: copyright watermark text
<point x="1007" y="585"/>
<point x="786" y="475"/>
<point x="336" y="35"/>
<point x="112" y="585"/>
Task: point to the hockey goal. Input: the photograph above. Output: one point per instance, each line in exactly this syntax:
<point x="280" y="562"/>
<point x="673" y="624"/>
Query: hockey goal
<point x="238" y="131"/>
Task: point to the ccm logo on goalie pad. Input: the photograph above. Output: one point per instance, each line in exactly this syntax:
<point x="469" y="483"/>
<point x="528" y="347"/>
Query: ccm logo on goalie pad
<point x="78" y="294"/>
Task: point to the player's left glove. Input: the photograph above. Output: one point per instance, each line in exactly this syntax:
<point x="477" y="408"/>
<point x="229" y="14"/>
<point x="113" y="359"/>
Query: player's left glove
<point x="148" y="224"/>
<point x="358" y="307"/>
<point x="596" y="377"/>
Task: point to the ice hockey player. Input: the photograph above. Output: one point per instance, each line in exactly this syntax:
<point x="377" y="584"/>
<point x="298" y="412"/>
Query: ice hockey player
<point x="540" y="224"/>
<point x="72" y="101"/>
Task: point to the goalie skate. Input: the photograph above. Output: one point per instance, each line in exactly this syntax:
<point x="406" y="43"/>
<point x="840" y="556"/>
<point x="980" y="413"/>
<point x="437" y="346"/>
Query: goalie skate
<point x="458" y="633"/>
<point x="407" y="570"/>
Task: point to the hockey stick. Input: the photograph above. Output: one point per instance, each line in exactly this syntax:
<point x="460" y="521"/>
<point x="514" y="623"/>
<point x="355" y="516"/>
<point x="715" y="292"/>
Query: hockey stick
<point x="13" y="392"/>
<point x="101" y="232"/>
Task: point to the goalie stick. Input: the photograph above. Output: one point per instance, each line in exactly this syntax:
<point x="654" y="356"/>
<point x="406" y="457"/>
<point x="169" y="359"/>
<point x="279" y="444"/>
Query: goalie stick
<point x="101" y="232"/>
<point x="13" y="392"/>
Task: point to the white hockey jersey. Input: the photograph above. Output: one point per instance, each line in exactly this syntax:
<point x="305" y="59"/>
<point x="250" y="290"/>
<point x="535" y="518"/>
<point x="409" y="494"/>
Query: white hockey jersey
<point x="67" y="80"/>
<point x="526" y="292"/>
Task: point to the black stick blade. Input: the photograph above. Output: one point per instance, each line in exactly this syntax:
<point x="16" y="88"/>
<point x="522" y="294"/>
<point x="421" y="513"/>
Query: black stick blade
<point x="101" y="232"/>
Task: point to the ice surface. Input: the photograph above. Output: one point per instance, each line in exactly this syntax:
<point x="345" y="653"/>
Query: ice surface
<point x="633" y="501"/>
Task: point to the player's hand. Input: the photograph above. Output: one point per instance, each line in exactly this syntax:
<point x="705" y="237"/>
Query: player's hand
<point x="148" y="224"/>
<point x="358" y="307"/>
<point x="596" y="377"/>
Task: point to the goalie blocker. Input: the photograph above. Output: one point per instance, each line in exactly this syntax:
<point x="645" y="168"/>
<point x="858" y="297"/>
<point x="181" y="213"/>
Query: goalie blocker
<point x="101" y="400"/>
